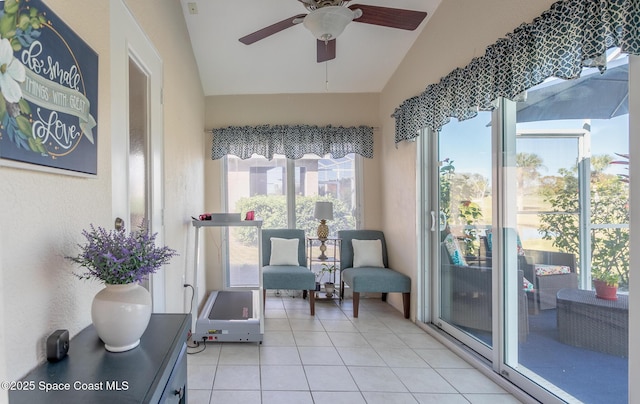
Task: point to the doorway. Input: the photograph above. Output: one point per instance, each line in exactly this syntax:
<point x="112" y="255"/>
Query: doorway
<point x="137" y="157"/>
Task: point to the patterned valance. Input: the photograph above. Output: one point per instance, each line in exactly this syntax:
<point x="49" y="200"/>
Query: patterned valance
<point x="294" y="141"/>
<point x="571" y="35"/>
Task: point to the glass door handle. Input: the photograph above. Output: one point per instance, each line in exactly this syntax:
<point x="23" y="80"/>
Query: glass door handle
<point x="440" y="219"/>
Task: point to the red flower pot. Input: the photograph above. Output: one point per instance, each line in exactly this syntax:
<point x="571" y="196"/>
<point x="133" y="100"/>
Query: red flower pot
<point x="604" y="291"/>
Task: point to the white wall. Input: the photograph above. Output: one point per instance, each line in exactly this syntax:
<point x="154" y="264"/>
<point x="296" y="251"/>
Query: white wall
<point x="42" y="215"/>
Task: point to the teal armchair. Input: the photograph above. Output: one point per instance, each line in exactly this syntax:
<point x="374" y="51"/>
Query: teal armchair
<point x="377" y="278"/>
<point x="292" y="275"/>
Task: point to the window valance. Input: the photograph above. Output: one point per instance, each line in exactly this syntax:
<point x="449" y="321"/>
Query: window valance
<point x="294" y="141"/>
<point x="571" y="35"/>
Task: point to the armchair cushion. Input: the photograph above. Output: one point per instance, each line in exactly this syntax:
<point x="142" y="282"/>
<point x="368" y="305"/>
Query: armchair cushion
<point x="346" y="246"/>
<point x="376" y="280"/>
<point x="268" y="234"/>
<point x="284" y="251"/>
<point x="288" y="277"/>
<point x="367" y="253"/>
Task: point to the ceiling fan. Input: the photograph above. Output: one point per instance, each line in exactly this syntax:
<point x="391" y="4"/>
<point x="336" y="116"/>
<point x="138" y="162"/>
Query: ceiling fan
<point x="328" y="18"/>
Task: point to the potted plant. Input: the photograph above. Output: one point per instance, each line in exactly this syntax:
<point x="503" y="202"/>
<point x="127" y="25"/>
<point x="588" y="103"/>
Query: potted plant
<point x="606" y="284"/>
<point x="121" y="311"/>
<point x="470" y="213"/>
<point x="329" y="287"/>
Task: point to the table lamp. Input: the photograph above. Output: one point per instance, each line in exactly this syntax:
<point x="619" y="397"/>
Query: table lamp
<point x="324" y="212"/>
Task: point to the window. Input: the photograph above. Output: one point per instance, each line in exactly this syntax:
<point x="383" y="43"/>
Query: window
<point x="282" y="192"/>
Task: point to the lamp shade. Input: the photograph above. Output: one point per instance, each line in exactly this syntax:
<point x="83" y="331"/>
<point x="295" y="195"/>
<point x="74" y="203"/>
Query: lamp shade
<point x="327" y="23"/>
<point x="323" y="210"/>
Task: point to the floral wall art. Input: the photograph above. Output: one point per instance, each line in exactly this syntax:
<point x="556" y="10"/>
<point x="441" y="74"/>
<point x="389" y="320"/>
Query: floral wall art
<point x="49" y="86"/>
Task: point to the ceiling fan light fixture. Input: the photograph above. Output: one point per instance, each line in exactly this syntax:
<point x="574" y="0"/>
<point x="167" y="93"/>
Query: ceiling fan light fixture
<point x="327" y="23"/>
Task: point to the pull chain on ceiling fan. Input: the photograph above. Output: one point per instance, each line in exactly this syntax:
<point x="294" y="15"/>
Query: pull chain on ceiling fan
<point x="326" y="76"/>
<point x="327" y="19"/>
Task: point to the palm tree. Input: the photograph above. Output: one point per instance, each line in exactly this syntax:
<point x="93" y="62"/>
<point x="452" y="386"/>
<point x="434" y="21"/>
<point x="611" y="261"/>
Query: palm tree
<point x="529" y="165"/>
<point x="623" y="177"/>
<point x="528" y="170"/>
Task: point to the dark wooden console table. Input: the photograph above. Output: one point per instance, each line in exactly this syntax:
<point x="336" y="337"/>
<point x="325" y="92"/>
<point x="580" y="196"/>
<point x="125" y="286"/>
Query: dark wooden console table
<point x="597" y="324"/>
<point x="153" y="372"/>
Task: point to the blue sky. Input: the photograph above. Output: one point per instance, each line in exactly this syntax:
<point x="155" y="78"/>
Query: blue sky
<point x="468" y="142"/>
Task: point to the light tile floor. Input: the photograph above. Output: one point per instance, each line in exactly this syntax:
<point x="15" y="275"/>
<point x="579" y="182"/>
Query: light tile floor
<point x="332" y="357"/>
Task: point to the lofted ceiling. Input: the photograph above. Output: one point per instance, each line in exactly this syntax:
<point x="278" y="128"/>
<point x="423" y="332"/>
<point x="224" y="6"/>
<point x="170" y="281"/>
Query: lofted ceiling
<point x="285" y="63"/>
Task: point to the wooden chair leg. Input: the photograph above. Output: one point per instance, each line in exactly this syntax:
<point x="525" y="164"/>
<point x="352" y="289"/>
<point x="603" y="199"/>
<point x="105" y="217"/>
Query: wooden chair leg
<point x="384" y="297"/>
<point x="356" y="303"/>
<point x="304" y="294"/>
<point x="312" y="302"/>
<point x="341" y="290"/>
<point x="406" y="303"/>
<point x="264" y="298"/>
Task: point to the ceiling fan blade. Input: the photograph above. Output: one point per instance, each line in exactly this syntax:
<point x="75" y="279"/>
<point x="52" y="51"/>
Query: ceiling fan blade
<point x="326" y="51"/>
<point x="390" y="17"/>
<point x="271" y="29"/>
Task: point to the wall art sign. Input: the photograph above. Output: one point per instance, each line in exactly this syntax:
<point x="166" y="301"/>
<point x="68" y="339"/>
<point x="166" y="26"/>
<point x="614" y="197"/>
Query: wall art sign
<point x="49" y="90"/>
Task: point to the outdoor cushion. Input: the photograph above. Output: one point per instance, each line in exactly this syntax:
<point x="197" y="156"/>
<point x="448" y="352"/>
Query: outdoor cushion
<point x="526" y="285"/>
<point x="455" y="254"/>
<point x="489" y="234"/>
<point x="543" y="269"/>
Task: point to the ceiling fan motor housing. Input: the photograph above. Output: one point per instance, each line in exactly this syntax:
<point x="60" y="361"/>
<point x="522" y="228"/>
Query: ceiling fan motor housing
<point x="327" y="23"/>
<point x="316" y="4"/>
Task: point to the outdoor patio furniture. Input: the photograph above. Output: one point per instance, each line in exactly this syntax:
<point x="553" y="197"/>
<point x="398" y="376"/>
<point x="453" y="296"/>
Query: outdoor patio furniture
<point x="549" y="271"/>
<point x="466" y="296"/>
<point x="597" y="324"/>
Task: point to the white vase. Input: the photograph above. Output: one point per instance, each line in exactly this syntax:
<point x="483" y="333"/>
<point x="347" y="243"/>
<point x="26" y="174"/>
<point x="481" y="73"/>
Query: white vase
<point x="120" y="314"/>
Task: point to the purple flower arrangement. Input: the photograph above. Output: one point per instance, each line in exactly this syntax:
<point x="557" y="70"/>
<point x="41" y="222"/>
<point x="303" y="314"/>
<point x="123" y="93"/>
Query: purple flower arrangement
<point x="117" y="258"/>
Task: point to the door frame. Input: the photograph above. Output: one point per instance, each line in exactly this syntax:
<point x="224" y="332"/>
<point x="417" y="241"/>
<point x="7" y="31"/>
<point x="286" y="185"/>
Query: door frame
<point x="129" y="42"/>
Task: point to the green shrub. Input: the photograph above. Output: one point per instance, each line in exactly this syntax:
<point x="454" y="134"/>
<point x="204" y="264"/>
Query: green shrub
<point x="273" y="211"/>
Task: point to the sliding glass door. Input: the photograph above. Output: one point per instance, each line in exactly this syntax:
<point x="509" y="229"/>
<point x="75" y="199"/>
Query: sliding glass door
<point x="529" y="205"/>
<point x="565" y="191"/>
<point x="462" y="239"/>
